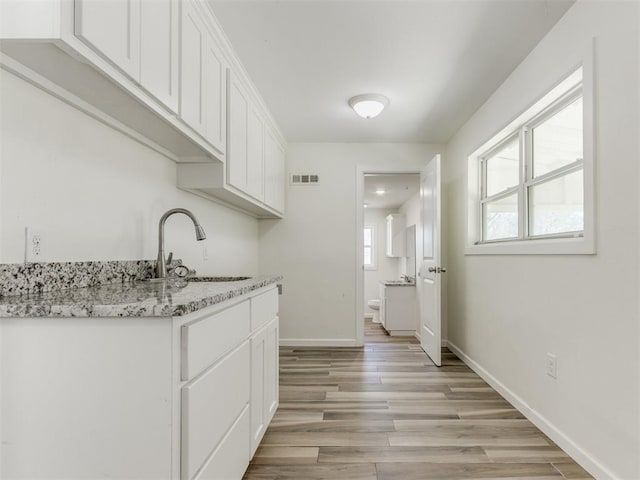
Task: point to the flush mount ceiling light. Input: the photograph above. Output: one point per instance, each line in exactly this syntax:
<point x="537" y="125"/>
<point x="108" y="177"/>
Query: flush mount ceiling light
<point x="380" y="191"/>
<point x="369" y="105"/>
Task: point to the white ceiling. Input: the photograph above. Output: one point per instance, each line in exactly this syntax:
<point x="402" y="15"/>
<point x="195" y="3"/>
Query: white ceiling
<point x="436" y="60"/>
<point x="398" y="189"/>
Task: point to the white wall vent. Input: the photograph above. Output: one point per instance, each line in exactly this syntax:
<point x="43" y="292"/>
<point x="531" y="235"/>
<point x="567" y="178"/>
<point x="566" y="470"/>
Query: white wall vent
<point x="304" y="179"/>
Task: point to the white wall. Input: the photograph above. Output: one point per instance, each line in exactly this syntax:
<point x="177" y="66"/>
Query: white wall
<point x="386" y="268"/>
<point x="314" y="246"/>
<point x="507" y="312"/>
<point x="98" y="195"/>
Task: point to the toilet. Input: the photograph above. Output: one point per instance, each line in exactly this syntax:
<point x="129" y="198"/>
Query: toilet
<point x="374" y="304"/>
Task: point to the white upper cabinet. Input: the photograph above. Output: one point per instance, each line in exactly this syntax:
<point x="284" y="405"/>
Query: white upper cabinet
<point x="215" y="96"/>
<point x="140" y="37"/>
<point x="159" y="26"/>
<point x="245" y="158"/>
<point x="395" y="235"/>
<point x="238" y="134"/>
<point x="191" y="71"/>
<point x="203" y="85"/>
<point x="255" y="154"/>
<point x="112" y="28"/>
<point x="161" y="72"/>
<point x="274" y="172"/>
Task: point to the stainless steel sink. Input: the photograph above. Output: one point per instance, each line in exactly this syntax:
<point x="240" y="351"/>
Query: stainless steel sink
<point x="216" y="279"/>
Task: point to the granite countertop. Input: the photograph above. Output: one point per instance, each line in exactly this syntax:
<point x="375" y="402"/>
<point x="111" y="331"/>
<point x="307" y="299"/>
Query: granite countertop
<point x="134" y="299"/>
<point x="398" y="283"/>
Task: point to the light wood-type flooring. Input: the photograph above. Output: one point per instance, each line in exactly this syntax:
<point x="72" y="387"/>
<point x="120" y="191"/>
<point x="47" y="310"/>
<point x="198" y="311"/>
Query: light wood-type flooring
<point x="386" y="412"/>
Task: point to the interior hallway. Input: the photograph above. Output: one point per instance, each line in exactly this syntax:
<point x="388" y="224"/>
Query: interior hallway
<point x="386" y="411"/>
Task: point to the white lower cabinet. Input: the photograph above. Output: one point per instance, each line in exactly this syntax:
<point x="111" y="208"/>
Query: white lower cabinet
<point x="182" y="398"/>
<point x="264" y="380"/>
<point x="228" y="400"/>
<point x="264" y="364"/>
<point x="258" y="421"/>
<point x="229" y="461"/>
<point x="210" y="405"/>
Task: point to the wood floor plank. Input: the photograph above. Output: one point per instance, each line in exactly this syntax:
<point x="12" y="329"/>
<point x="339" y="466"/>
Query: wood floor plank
<point x="269" y="455"/>
<point x="545" y="454"/>
<point x="350" y="396"/>
<point x="385" y="411"/>
<point x="353" y="425"/>
<point x="462" y="438"/>
<point x="571" y="470"/>
<point x="458" y="471"/>
<point x="362" y="471"/>
<point x="324" y="439"/>
<point x="401" y="454"/>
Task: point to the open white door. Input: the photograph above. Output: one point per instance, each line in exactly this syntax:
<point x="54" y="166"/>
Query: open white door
<point x="429" y="274"/>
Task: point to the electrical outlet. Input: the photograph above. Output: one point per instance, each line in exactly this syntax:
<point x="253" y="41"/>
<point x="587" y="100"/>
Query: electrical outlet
<point x="35" y="241"/>
<point x="552" y="365"/>
<point x="205" y="253"/>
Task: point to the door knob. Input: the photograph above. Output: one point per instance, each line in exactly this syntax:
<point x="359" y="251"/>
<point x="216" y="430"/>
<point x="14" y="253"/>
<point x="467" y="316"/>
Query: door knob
<point x="437" y="270"/>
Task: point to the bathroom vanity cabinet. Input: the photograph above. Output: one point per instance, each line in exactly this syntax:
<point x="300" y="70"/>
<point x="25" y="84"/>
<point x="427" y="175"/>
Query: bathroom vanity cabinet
<point x="398" y="308"/>
<point x="147" y="397"/>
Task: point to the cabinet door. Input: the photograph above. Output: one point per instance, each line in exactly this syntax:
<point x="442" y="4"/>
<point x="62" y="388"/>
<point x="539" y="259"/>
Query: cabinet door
<point x="191" y="69"/>
<point x="274" y="172"/>
<point x="382" y="315"/>
<point x="258" y="419"/>
<point x="255" y="155"/>
<point x="210" y="405"/>
<point x="112" y="29"/>
<point x="238" y="110"/>
<point x="271" y="380"/>
<point x="215" y="96"/>
<point x="159" y="50"/>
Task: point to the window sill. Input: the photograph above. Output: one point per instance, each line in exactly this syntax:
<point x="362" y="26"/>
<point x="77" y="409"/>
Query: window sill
<point x="546" y="246"/>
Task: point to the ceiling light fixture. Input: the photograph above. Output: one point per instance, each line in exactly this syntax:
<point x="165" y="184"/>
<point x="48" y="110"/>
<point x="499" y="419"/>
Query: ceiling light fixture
<point x="369" y="105"/>
<point x="380" y="191"/>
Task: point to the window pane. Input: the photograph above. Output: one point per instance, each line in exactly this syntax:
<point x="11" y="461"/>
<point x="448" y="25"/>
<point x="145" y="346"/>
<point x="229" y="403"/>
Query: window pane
<point x="556" y="206"/>
<point x="367" y="255"/>
<point x="500" y="218"/>
<point x="558" y="141"/>
<point x="367" y="236"/>
<point x="503" y="168"/>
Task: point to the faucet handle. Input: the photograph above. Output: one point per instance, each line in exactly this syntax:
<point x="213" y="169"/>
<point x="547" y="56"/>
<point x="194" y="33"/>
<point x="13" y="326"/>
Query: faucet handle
<point x="169" y="258"/>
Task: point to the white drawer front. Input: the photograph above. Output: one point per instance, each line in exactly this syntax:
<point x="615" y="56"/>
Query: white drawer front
<point x="231" y="459"/>
<point x="205" y="341"/>
<point x="210" y="405"/>
<point x="264" y="307"/>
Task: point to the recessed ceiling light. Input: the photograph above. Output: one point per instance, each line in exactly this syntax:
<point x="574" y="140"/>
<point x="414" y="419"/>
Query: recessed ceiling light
<point x="380" y="191"/>
<point x="366" y="205"/>
<point x="369" y="105"/>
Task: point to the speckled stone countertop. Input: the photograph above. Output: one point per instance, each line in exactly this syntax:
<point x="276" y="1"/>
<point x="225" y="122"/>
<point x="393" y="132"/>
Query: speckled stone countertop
<point x="136" y="299"/>
<point x="397" y="283"/>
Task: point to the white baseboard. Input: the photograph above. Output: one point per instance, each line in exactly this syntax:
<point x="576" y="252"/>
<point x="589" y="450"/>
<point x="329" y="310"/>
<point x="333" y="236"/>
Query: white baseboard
<point x="318" y="342"/>
<point x="444" y="343"/>
<point x="368" y="315"/>
<point x="584" y="458"/>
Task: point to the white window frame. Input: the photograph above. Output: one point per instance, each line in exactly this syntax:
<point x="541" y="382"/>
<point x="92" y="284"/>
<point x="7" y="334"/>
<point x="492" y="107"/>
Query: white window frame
<point x="374" y="257"/>
<point x="578" y="83"/>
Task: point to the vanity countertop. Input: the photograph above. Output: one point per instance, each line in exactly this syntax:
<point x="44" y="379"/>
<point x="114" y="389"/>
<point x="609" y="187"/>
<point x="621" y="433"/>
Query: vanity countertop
<point x="132" y="299"/>
<point x="397" y="283"/>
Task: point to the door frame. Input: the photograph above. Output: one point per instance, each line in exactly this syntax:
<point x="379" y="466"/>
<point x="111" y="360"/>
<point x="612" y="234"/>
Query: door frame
<point x="361" y="171"/>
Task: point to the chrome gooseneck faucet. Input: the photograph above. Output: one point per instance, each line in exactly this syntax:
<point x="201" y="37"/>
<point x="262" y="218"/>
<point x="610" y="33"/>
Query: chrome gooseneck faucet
<point x="161" y="263"/>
